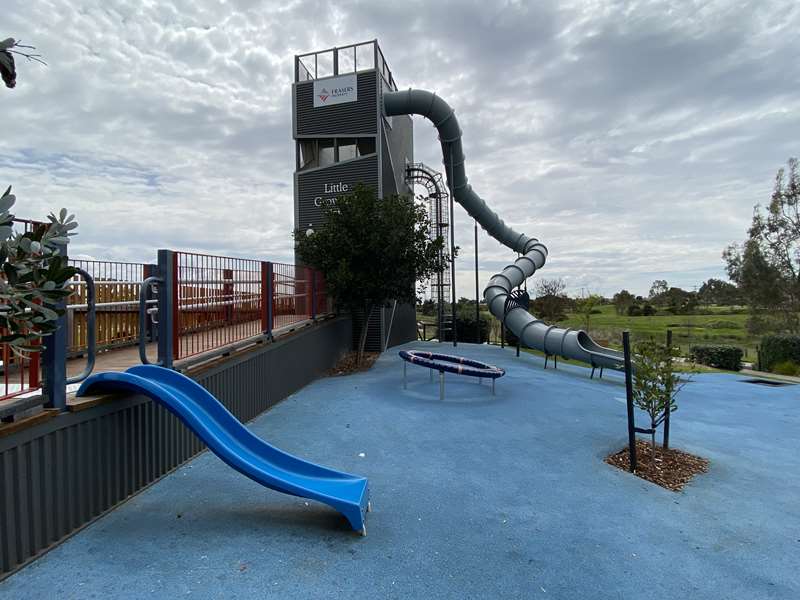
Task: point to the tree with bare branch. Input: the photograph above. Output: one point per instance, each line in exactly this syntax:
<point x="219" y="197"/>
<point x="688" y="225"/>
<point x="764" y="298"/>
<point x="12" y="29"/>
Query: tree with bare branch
<point x="8" y="48"/>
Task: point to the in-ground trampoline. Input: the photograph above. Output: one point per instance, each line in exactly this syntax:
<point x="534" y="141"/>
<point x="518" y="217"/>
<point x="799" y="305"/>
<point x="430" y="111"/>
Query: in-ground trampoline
<point x="448" y="363"/>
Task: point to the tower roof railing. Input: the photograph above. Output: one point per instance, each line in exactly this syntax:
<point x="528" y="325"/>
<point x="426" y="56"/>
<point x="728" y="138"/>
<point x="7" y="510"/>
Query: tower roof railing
<point x="340" y="60"/>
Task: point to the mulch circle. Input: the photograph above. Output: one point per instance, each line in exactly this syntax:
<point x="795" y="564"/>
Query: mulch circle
<point x="347" y="364"/>
<point x="672" y="468"/>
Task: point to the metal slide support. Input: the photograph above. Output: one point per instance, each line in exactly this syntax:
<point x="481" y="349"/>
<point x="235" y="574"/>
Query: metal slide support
<point x="91" y="328"/>
<point x="441" y="385"/>
<point x="143" y="293"/>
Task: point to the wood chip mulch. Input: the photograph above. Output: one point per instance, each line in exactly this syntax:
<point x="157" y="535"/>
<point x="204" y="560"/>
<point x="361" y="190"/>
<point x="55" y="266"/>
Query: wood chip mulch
<point x="347" y="364"/>
<point x="672" y="469"/>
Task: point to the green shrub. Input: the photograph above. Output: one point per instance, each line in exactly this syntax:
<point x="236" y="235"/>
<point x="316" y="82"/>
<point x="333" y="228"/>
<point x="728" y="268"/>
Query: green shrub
<point x="465" y="330"/>
<point x="787" y="367"/>
<point x="720" y="357"/>
<point x="779" y="348"/>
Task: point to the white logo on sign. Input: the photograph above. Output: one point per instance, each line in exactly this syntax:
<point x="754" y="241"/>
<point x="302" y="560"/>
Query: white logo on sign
<point x="336" y="90"/>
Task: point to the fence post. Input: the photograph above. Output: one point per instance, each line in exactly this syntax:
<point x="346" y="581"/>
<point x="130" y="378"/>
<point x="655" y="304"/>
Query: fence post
<point x="313" y="274"/>
<point x="54" y="359"/>
<point x="626" y="346"/>
<point x="227" y="294"/>
<point x="167" y="309"/>
<point x="266" y="298"/>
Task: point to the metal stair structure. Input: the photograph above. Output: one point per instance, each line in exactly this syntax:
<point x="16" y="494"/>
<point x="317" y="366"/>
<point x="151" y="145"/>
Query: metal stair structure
<point x="437" y="202"/>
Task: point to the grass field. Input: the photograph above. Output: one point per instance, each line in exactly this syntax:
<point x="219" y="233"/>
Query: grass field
<point x="717" y="325"/>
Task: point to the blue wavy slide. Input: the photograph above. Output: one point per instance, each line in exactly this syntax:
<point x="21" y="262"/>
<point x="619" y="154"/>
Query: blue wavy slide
<point x="236" y="445"/>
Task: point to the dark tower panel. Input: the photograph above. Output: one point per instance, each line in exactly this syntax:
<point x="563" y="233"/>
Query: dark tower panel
<point x="341" y="139"/>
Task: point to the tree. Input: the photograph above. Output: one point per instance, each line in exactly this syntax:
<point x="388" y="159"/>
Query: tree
<point x="655" y="383"/>
<point x="372" y="251"/>
<point x="716" y="291"/>
<point x="8" y="48"/>
<point x="550" y="302"/>
<point x="586" y="307"/>
<point x="35" y="277"/>
<point x="622" y="301"/>
<point x="678" y="301"/>
<point x="766" y="267"/>
<point x="659" y="287"/>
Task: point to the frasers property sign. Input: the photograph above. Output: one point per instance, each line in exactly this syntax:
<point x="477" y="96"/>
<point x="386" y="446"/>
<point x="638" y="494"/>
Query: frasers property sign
<point x="336" y="90"/>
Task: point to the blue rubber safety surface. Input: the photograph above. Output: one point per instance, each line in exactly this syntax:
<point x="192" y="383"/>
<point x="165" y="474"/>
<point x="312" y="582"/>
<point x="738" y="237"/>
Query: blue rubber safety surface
<point x="476" y="496"/>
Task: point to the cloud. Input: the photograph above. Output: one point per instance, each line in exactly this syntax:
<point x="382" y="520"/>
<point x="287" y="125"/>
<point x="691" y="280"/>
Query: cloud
<point x="632" y="138"/>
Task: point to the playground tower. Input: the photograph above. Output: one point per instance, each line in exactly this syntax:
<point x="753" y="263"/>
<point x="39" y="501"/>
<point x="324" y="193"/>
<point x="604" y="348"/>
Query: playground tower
<point x="343" y="138"/>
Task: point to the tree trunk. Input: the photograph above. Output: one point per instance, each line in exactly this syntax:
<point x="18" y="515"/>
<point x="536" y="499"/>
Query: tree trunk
<point x="653" y="442"/>
<point x="363" y="341"/>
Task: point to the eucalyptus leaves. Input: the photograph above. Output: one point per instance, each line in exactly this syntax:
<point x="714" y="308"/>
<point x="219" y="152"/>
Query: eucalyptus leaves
<point x="35" y="277"/>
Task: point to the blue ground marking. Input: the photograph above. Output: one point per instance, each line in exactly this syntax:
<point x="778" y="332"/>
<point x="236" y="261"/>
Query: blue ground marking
<point x="478" y="496"/>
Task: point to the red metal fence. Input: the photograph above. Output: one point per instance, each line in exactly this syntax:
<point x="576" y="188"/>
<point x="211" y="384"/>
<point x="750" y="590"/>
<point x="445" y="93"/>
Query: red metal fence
<point x="218" y="300"/>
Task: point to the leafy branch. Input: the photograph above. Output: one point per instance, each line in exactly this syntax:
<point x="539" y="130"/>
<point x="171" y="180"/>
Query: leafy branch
<point x="8" y="48"/>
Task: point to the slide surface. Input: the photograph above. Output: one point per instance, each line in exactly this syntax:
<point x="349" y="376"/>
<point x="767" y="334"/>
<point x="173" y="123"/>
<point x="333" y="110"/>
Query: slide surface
<point x="532" y="332"/>
<point x="236" y="445"/>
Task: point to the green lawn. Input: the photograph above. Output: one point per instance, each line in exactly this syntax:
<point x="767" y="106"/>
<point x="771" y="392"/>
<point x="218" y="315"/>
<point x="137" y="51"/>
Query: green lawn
<point x="718" y="325"/>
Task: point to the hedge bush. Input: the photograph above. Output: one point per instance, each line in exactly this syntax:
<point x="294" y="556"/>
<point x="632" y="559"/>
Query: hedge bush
<point x="465" y="330"/>
<point x="787" y="367"/>
<point x="721" y="357"/>
<point x="779" y="348"/>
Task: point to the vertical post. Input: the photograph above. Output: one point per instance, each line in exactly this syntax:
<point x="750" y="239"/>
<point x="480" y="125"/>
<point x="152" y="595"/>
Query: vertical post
<point x="454" y="329"/>
<point x="266" y="299"/>
<point x="335" y="61"/>
<point x="441" y="385"/>
<point x="228" y="295"/>
<point x="478" y="339"/>
<point x="269" y="298"/>
<point x="167" y="309"/>
<point x="54" y="358"/>
<point x="313" y="274"/>
<point x="503" y="334"/>
<point x="665" y="441"/>
<point x="626" y="347"/>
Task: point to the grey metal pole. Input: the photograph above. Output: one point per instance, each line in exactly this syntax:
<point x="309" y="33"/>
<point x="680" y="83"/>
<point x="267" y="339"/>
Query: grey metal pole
<point x="452" y="253"/>
<point x="441" y="385"/>
<point x="478" y="339"/>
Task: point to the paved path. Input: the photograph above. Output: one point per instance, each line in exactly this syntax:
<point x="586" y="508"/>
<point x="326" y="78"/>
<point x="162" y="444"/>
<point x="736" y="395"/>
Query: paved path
<point x="475" y="497"/>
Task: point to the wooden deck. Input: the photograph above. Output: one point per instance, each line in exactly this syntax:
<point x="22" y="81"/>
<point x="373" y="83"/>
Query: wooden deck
<point x="193" y="344"/>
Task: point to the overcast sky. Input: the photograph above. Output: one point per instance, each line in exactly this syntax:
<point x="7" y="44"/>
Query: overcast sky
<point x="632" y="138"/>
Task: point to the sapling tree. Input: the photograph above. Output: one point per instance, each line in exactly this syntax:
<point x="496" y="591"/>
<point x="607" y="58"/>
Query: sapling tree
<point x="586" y="306"/>
<point x="372" y="250"/>
<point x="655" y="383"/>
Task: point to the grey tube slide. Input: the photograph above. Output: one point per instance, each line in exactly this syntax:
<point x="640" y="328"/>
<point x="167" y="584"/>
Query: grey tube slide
<point x="532" y="332"/>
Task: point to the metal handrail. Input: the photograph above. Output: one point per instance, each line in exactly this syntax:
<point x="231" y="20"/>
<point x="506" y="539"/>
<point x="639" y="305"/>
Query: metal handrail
<point x="91" y="326"/>
<point x="143" y="318"/>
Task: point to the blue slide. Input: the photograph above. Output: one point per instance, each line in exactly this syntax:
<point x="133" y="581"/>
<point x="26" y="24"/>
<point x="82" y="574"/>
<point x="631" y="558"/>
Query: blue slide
<point x="225" y="435"/>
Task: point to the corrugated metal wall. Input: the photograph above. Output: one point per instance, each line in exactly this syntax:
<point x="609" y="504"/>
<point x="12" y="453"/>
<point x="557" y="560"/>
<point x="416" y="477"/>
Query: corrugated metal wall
<point x="359" y="117"/>
<point x="58" y="476"/>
